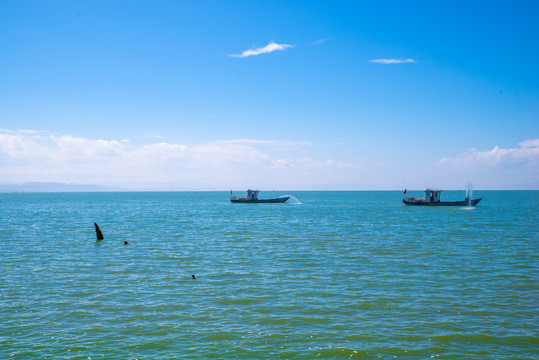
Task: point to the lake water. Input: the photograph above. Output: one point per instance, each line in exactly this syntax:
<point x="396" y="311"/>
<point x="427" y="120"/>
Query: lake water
<point x="340" y="275"/>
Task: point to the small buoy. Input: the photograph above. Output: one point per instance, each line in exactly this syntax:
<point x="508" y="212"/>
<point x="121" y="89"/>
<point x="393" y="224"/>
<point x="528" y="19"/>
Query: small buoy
<point x="193" y="276"/>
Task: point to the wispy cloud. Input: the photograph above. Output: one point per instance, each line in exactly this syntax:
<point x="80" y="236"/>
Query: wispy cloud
<point x="271" y="47"/>
<point x="533" y="143"/>
<point x="249" y="142"/>
<point x="318" y="42"/>
<point x="392" y="61"/>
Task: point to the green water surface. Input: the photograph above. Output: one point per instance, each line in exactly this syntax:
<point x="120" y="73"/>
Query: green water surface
<point x="340" y="275"/>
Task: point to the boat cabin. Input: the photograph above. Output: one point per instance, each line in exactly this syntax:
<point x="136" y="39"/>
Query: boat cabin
<point x="252" y="194"/>
<point x="432" y="195"/>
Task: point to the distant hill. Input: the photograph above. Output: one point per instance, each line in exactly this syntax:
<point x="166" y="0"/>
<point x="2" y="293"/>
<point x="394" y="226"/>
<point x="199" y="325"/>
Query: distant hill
<point x="54" y="187"/>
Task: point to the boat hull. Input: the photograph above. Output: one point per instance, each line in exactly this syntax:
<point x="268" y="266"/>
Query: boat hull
<point x="260" y="201"/>
<point x="443" y="203"/>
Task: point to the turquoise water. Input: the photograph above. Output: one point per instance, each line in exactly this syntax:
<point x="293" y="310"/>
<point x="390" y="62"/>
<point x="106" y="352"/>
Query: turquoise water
<point x="340" y="276"/>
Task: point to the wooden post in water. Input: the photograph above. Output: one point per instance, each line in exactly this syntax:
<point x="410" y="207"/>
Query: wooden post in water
<point x="98" y="232"/>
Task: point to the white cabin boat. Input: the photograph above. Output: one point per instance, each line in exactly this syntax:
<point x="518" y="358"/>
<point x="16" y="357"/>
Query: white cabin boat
<point x="252" y="197"/>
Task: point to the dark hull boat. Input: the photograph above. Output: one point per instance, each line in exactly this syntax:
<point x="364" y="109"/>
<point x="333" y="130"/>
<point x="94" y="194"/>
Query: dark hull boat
<point x="471" y="202"/>
<point x="252" y="198"/>
<point x="432" y="198"/>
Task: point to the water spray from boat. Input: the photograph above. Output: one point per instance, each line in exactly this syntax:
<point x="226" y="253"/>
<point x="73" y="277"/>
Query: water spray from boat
<point x="291" y="199"/>
<point x="469" y="193"/>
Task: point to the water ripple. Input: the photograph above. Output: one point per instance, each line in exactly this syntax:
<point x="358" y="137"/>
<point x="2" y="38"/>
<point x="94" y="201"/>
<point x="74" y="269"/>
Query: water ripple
<point x="341" y="275"/>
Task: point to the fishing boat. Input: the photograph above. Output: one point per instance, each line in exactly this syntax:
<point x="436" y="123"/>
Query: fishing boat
<point x="432" y="198"/>
<point x="252" y="198"/>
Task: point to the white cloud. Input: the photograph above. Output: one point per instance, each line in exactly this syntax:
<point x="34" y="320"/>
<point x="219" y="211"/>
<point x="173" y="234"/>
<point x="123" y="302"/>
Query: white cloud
<point x="41" y="156"/>
<point x="81" y="148"/>
<point x="271" y="47"/>
<point x="527" y="153"/>
<point x="497" y="168"/>
<point x="392" y="61"/>
<point x="530" y="143"/>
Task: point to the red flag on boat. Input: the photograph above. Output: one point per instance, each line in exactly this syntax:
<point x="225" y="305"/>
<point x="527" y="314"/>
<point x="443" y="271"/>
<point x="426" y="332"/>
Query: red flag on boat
<point x="404" y="191"/>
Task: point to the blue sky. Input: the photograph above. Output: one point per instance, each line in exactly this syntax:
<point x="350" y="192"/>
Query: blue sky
<point x="216" y="95"/>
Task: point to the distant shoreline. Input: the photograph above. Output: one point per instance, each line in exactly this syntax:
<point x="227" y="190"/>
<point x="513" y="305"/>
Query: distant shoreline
<point x="6" y="189"/>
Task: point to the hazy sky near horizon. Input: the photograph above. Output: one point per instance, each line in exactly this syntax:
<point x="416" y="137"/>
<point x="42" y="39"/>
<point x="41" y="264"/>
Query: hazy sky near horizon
<point x="215" y="95"/>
